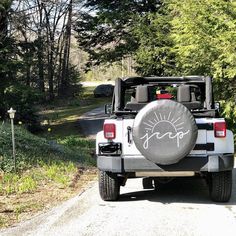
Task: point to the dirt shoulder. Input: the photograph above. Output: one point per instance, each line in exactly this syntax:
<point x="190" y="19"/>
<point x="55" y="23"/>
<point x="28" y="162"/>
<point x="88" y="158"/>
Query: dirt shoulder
<point x="17" y="207"/>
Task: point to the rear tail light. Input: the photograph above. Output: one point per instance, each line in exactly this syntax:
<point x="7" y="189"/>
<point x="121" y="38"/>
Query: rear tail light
<point x="220" y="129"/>
<point x="109" y="131"/>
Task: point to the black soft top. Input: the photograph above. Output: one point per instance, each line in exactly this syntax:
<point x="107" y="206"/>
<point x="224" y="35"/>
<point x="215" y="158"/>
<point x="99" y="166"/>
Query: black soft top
<point x="133" y="81"/>
<point x="121" y="84"/>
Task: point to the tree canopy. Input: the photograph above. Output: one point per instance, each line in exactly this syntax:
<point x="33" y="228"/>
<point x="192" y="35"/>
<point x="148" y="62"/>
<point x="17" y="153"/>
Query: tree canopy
<point x="167" y="37"/>
<point x="204" y="40"/>
<point x="35" y="42"/>
<point x="105" y="28"/>
<point x="163" y="37"/>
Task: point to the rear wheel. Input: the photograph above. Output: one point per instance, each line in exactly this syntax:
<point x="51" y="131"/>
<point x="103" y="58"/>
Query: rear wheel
<point x="148" y="183"/>
<point x="109" y="186"/>
<point x="220" y="186"/>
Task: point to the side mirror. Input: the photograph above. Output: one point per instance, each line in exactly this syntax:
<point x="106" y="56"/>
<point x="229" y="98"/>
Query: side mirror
<point x="217" y="106"/>
<point x="108" y="109"/>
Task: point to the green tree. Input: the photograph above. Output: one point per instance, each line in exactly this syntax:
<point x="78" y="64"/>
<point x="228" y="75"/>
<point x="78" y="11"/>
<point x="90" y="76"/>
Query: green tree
<point x="105" y="28"/>
<point x="6" y="48"/>
<point x="4" y="8"/>
<point x="154" y="54"/>
<point x="5" y="45"/>
<point x="204" y="34"/>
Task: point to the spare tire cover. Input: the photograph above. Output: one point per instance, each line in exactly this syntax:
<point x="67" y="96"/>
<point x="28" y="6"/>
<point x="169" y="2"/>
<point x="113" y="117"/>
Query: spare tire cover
<point x="164" y="131"/>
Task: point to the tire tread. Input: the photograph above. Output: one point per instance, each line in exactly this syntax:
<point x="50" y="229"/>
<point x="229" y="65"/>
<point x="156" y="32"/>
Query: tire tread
<point x="221" y="186"/>
<point x="109" y="187"/>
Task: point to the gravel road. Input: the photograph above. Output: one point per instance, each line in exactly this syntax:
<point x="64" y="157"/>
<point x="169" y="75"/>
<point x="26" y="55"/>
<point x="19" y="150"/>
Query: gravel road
<point x="181" y="207"/>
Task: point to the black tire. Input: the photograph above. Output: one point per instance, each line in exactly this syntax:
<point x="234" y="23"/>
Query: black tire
<point x="162" y="181"/>
<point x="220" y="186"/>
<point x="109" y="187"/>
<point x="148" y="183"/>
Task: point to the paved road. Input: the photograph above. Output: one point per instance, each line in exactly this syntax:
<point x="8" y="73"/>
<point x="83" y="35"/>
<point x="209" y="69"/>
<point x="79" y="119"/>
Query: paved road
<point x="91" y="122"/>
<point x="180" y="208"/>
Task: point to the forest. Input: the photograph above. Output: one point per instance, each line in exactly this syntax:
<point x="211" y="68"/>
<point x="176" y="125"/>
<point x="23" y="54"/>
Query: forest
<point x="47" y="47"/>
<point x="160" y="37"/>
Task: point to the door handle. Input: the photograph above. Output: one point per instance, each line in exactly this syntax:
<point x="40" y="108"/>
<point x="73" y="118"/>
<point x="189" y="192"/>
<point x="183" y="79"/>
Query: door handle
<point x="129" y="134"/>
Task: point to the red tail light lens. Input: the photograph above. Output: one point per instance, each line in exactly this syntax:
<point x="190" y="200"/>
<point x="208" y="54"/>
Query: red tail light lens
<point x="220" y="129"/>
<point x="109" y="131"/>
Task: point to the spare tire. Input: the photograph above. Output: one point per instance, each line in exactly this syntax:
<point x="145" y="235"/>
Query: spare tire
<point x="164" y="132"/>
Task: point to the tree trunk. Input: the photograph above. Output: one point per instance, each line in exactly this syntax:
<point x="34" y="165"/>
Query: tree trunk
<point x="3" y="23"/>
<point x="50" y="73"/>
<point x="41" y="83"/>
<point x="65" y="62"/>
<point x="50" y="54"/>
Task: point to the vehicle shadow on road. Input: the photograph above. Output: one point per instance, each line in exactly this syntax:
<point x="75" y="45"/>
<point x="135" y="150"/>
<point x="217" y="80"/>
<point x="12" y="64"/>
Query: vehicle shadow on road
<point x="180" y="190"/>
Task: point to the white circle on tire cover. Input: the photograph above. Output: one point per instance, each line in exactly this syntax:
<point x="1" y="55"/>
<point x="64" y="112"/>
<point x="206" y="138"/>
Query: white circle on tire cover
<point x="164" y="131"/>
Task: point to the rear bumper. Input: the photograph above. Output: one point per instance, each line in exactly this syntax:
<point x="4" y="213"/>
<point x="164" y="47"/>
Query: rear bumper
<point x="122" y="164"/>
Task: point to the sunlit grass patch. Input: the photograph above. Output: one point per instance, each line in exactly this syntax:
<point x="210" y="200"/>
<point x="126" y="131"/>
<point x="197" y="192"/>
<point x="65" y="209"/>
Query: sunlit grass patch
<point x="14" y="183"/>
<point x="60" y="173"/>
<point x="77" y="141"/>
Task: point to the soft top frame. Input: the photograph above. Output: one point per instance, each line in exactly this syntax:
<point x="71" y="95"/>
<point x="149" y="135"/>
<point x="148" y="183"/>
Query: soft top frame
<point x="121" y="84"/>
<point x="132" y="81"/>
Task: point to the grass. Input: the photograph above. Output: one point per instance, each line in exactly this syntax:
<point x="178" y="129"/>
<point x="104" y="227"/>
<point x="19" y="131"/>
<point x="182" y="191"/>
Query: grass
<point x="62" y="116"/>
<point x="43" y="168"/>
<point x="51" y="166"/>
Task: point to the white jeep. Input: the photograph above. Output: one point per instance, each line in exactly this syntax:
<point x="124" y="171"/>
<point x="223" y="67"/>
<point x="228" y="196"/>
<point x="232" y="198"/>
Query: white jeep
<point x="164" y="127"/>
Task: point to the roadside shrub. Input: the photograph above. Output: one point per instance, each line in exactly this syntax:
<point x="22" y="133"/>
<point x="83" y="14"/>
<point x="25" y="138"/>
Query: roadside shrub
<point x="75" y="140"/>
<point x="30" y="149"/>
<point x="82" y="146"/>
<point x="23" y="99"/>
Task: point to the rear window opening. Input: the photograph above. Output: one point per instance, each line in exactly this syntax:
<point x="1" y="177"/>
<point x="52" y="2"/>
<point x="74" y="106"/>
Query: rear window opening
<point x="195" y="92"/>
<point x="189" y="95"/>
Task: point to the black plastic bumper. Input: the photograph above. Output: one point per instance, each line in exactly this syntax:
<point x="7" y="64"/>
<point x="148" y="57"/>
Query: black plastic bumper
<point x="122" y="164"/>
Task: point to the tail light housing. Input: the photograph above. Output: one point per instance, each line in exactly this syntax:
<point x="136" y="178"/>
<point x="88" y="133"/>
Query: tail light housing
<point x="109" y="131"/>
<point x="220" y="129"/>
